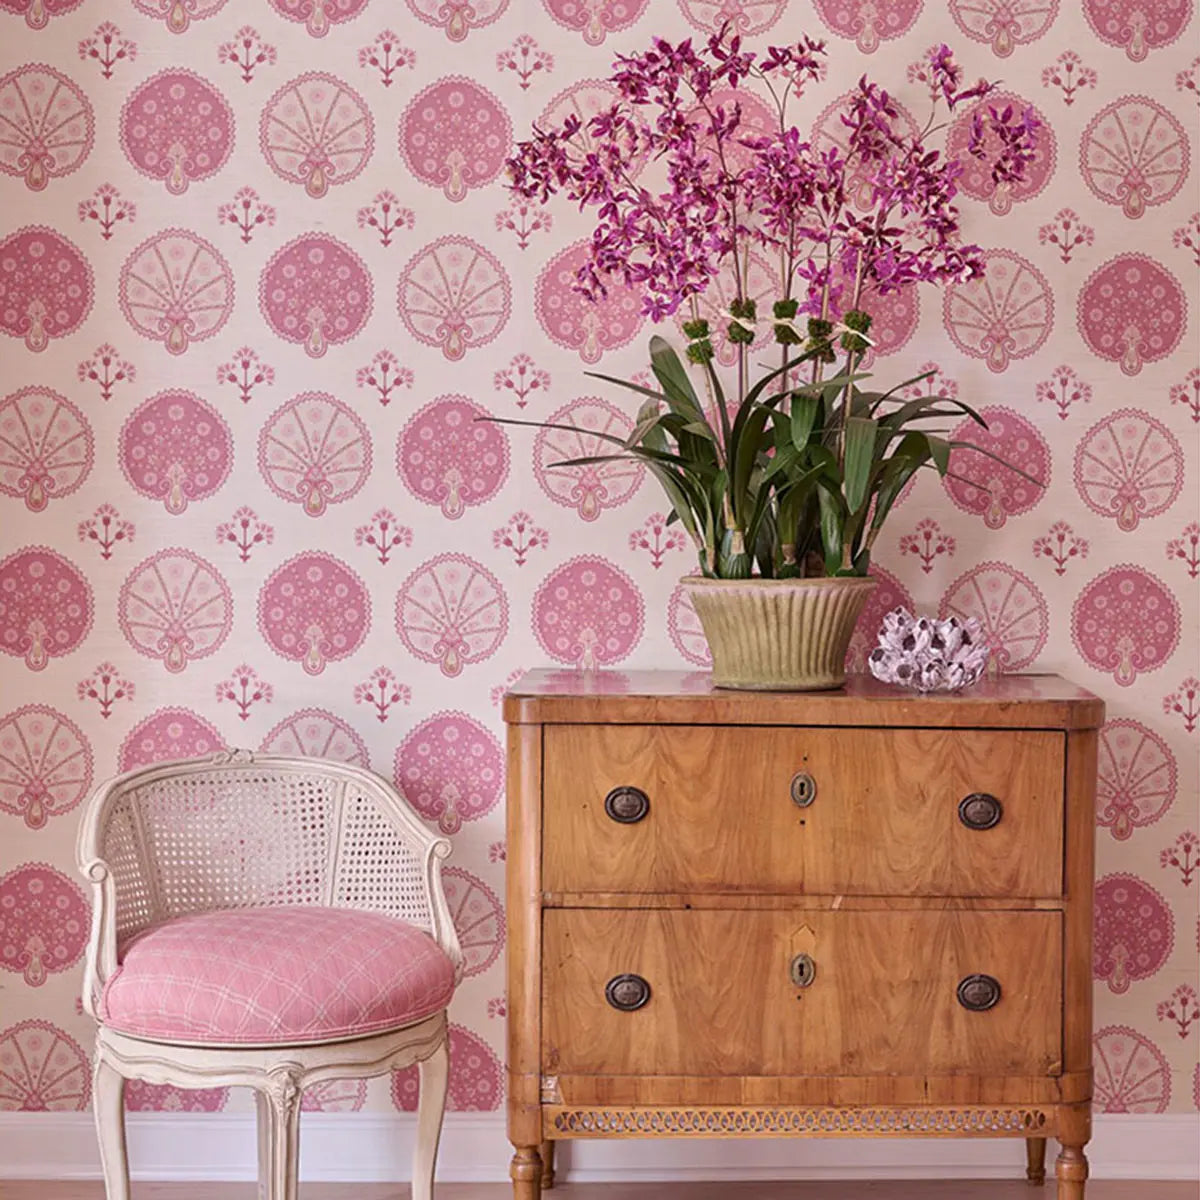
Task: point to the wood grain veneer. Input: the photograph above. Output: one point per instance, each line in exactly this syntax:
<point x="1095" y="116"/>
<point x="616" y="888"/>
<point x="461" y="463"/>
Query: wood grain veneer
<point x="707" y="896"/>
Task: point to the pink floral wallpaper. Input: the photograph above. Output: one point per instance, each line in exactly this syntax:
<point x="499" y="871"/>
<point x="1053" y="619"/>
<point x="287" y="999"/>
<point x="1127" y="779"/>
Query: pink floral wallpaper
<point x="258" y="275"/>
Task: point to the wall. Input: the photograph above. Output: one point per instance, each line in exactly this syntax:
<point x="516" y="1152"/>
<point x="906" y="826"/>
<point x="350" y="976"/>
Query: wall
<point x="216" y="480"/>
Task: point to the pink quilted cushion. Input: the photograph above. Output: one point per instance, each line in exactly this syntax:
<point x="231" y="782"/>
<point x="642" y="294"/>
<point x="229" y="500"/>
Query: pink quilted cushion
<point x="275" y="975"/>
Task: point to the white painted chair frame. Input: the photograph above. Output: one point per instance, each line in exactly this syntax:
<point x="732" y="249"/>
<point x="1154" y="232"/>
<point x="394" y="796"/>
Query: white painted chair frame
<point x="123" y="903"/>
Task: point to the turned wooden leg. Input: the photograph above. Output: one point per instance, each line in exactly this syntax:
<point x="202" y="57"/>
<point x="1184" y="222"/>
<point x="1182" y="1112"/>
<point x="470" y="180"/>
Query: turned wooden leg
<point x="526" y="1172"/>
<point x="431" y="1104"/>
<point x="108" y="1104"/>
<point x="1035" y="1160"/>
<point x="547" y="1166"/>
<point x="1071" y="1171"/>
<point x="279" y="1136"/>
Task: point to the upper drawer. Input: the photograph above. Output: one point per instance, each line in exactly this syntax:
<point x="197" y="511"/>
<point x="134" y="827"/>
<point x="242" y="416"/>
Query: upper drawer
<point x="886" y="813"/>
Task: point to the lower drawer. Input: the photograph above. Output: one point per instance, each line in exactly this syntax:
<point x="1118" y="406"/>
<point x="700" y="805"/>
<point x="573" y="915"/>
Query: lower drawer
<point x="731" y="993"/>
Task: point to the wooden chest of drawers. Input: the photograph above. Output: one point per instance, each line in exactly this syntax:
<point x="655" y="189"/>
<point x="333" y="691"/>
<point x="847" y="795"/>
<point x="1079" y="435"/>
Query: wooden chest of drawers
<point x="741" y="914"/>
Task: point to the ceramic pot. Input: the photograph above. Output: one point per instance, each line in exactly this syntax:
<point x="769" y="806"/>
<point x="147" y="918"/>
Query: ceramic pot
<point x="778" y="634"/>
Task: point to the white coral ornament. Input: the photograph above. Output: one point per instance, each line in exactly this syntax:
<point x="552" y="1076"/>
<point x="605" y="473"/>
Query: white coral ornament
<point x="929" y="655"/>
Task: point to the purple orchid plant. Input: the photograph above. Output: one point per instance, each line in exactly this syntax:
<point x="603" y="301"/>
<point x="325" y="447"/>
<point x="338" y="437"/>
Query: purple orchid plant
<point x="794" y="472"/>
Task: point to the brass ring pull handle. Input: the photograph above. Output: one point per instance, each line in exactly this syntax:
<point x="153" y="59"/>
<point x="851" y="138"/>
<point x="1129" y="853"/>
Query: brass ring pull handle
<point x="980" y="810"/>
<point x="978" y="993"/>
<point x="627" y="805"/>
<point x="802" y="970"/>
<point x="627" y="993"/>
<point x="804" y="789"/>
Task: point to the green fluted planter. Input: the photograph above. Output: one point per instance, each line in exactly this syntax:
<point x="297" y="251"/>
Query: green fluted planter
<point x="778" y="634"/>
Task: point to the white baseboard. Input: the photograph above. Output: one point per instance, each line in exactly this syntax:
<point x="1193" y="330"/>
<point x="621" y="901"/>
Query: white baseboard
<point x="369" y="1147"/>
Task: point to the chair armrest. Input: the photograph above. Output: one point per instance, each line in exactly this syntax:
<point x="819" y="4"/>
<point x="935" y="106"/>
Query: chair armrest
<point x="430" y="850"/>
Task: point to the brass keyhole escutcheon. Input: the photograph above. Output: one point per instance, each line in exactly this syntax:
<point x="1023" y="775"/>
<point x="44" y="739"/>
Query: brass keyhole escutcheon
<point x="627" y="993"/>
<point x="627" y="805"/>
<point x="804" y="789"/>
<point x="802" y="970"/>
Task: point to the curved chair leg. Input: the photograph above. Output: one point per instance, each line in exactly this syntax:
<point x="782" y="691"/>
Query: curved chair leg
<point x="434" y="1078"/>
<point x="108" y="1104"/>
<point x="279" y="1138"/>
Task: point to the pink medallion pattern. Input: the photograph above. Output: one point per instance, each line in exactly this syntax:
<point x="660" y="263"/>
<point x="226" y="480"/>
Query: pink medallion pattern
<point x="177" y="127"/>
<point x="976" y="180"/>
<point x="316" y="732"/>
<point x="1136" y="778"/>
<point x="177" y="289"/>
<point x="45" y="286"/>
<point x="446" y="456"/>
<point x="454" y="294"/>
<point x="304" y="204"/>
<point x="314" y="610"/>
<point x="46" y="125"/>
<point x="1129" y="466"/>
<point x="476" y="1083"/>
<point x="889" y="593"/>
<point x="455" y="135"/>
<point x="1004" y="23"/>
<point x="595" y="19"/>
<point x="1132" y="311"/>
<point x="176" y="448"/>
<point x="169" y="733"/>
<point x="1137" y="26"/>
<point x="175" y="606"/>
<point x="451" y="769"/>
<point x="457" y="17"/>
<point x="45" y="606"/>
<point x="1006" y="314"/>
<point x="869" y="22"/>
<point x="588" y="613"/>
<point x="1134" y="931"/>
<point x="179" y="14"/>
<point x="317" y="16"/>
<point x="744" y="17"/>
<point x="317" y="131"/>
<point x="1134" y="153"/>
<point x="981" y="484"/>
<point x="452" y="611"/>
<point x="45" y="764"/>
<point x="1131" y="1072"/>
<point x="684" y="629"/>
<point x="1125" y="621"/>
<point x="141" y="1096"/>
<point x="314" y="451"/>
<point x="573" y="322"/>
<point x="42" y="1069"/>
<point x="478" y="919"/>
<point x="43" y="922"/>
<point x="1011" y="609"/>
<point x="315" y="291"/>
<point x="46" y="447"/>
<point x="37" y="13"/>
<point x="593" y="487"/>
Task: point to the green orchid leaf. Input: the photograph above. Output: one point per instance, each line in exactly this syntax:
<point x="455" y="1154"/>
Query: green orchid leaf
<point x="859" y="461"/>
<point x="805" y="411"/>
<point x="673" y="376"/>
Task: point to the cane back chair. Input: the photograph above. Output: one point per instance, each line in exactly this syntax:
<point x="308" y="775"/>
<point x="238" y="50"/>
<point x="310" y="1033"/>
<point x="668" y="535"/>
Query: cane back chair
<point x="268" y="922"/>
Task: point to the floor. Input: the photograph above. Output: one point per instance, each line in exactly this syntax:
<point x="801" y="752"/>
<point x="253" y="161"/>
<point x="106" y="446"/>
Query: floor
<point x="1103" y="1189"/>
